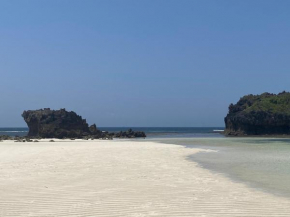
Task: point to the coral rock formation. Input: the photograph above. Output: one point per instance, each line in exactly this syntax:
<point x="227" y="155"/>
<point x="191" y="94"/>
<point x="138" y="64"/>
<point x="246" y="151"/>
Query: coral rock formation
<point x="265" y="114"/>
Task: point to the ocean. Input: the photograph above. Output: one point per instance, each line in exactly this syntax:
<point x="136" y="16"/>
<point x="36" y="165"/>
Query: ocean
<point x="172" y="132"/>
<point x="151" y="132"/>
<point x="14" y="131"/>
<point x="261" y="163"/>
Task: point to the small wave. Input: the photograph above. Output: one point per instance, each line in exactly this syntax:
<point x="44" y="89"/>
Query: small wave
<point x="13" y="131"/>
<point x="218" y="130"/>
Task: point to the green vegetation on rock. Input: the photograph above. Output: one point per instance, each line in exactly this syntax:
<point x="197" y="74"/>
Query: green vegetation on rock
<point x="268" y="103"/>
<point x="265" y="114"/>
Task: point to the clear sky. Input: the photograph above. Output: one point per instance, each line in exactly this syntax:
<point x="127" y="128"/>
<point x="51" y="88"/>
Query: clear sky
<point x="140" y="63"/>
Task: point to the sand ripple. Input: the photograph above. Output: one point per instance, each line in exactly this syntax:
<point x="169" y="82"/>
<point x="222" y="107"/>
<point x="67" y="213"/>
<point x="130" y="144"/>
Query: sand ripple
<point x="120" y="178"/>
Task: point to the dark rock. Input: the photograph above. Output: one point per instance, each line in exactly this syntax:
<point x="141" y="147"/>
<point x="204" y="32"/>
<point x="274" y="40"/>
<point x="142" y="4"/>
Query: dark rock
<point x="265" y="114"/>
<point x="5" y="137"/>
<point x="130" y="134"/>
<point x="94" y="130"/>
<point x="47" y="123"/>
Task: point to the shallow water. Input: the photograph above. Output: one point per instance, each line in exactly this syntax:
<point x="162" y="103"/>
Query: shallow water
<point x="261" y="163"/>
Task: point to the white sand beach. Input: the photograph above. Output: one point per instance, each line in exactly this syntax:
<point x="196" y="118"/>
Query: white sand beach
<point x="120" y="178"/>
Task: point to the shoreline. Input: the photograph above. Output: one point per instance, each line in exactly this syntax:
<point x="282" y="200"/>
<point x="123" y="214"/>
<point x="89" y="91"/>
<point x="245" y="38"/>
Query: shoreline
<point x="238" y="134"/>
<point x="274" y="136"/>
<point x="221" y="160"/>
<point x="120" y="178"/>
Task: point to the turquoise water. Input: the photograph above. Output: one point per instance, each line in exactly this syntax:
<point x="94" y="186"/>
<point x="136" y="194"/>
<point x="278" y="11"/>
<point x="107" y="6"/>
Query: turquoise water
<point x="261" y="163"/>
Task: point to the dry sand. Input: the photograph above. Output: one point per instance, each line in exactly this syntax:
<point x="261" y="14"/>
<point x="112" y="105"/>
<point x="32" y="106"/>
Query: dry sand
<point x="120" y="178"/>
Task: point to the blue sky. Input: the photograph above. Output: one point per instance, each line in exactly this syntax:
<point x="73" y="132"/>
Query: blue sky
<point x="140" y="63"/>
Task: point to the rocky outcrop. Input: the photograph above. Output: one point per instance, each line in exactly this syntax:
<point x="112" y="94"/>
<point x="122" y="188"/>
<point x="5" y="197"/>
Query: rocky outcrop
<point x="130" y="134"/>
<point x="265" y="114"/>
<point x="5" y="137"/>
<point x="47" y="123"/>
